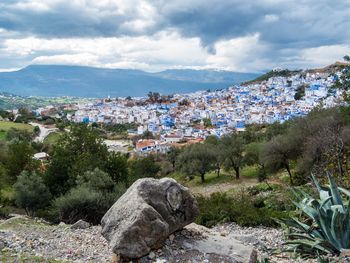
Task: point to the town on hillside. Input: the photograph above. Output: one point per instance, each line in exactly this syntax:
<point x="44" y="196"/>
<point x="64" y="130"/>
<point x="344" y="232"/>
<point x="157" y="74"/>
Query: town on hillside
<point x="182" y="119"/>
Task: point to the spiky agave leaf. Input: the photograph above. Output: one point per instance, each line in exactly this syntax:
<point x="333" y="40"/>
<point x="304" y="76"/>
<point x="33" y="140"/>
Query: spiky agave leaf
<point x="330" y="228"/>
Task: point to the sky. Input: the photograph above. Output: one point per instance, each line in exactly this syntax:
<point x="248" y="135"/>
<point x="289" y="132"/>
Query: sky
<point x="153" y="35"/>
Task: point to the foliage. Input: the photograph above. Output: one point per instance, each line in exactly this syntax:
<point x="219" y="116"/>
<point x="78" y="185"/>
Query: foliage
<point x="31" y="193"/>
<point x="232" y="148"/>
<point x="94" y="194"/>
<point x="172" y="155"/>
<point x="207" y="122"/>
<point x="274" y="73"/>
<point x="197" y="159"/>
<point x="143" y="167"/>
<point x="76" y="152"/>
<point x="19" y="135"/>
<point x="19" y="158"/>
<point x="117" y="167"/>
<point x="119" y="128"/>
<point x="240" y="208"/>
<point x="326" y="229"/>
<point x="279" y="152"/>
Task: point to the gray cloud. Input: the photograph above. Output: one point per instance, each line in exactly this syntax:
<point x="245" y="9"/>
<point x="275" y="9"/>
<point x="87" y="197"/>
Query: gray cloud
<point x="285" y="27"/>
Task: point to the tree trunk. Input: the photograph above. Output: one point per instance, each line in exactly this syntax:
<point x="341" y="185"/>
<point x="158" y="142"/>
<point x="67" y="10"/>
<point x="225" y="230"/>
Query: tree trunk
<point x="202" y="178"/>
<point x="237" y="173"/>
<point x="218" y="170"/>
<point x="290" y="174"/>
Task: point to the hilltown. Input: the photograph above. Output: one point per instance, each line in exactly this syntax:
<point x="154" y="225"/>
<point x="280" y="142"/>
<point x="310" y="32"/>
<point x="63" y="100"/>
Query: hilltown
<point x="190" y="118"/>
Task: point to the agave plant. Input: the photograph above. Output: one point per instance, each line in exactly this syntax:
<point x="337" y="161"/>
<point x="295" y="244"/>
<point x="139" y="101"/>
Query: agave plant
<point x="327" y="227"/>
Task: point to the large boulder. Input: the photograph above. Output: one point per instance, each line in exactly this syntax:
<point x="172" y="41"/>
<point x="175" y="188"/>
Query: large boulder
<point x="146" y="215"/>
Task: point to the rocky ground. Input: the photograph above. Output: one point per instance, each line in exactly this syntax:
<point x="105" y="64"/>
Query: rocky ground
<point x="26" y="240"/>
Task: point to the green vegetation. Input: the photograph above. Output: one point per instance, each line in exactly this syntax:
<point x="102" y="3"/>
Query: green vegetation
<point x="31" y="192"/>
<point x="242" y="208"/>
<point x="7" y="125"/>
<point x="274" y="73"/>
<point x="325" y="228"/>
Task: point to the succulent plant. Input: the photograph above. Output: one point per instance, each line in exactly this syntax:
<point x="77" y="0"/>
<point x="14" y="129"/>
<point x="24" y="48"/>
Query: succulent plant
<point x="326" y="229"/>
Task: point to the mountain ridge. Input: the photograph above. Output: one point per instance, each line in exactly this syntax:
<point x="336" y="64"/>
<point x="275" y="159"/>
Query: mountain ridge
<point x="82" y="81"/>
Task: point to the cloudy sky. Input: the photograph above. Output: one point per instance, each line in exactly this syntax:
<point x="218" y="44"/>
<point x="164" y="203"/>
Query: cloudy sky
<point x="239" y="35"/>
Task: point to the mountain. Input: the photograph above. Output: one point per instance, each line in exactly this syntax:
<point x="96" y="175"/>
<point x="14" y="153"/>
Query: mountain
<point x="57" y="80"/>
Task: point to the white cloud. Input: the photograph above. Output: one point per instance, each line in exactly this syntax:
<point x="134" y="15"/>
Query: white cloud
<point x="240" y="54"/>
<point x="162" y="50"/>
<point x="323" y="55"/>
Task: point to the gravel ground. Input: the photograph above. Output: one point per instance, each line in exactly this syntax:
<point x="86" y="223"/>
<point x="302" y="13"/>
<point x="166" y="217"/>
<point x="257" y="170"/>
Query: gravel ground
<point x="25" y="240"/>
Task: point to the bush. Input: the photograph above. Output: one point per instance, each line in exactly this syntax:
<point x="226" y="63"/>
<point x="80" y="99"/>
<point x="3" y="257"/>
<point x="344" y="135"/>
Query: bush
<point x="85" y="203"/>
<point x="94" y="195"/>
<point x="240" y="208"/>
<point x="4" y="212"/>
<point x="7" y="196"/>
<point x="31" y="193"/>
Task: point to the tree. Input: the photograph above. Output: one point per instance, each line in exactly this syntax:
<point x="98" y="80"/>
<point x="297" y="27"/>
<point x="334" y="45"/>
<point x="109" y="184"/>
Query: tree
<point x="153" y="96"/>
<point x="147" y="135"/>
<point x="143" y="167"/>
<point x="172" y="155"/>
<point x="117" y="167"/>
<point x="19" y="158"/>
<point x="197" y="159"/>
<point x="232" y="147"/>
<point x="76" y="152"/>
<point x="19" y="135"/>
<point x="214" y="143"/>
<point x="31" y="193"/>
<point x="253" y="156"/>
<point x="96" y="180"/>
<point x="278" y="153"/>
<point x="207" y="122"/>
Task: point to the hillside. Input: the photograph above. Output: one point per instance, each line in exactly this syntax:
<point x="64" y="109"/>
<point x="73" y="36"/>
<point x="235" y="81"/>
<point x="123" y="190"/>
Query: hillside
<point x="330" y="69"/>
<point x="49" y="80"/>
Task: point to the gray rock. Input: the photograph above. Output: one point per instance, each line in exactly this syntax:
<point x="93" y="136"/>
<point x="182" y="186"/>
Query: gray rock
<point x="219" y="248"/>
<point x="2" y="244"/>
<point x="146" y="215"/>
<point x="80" y="224"/>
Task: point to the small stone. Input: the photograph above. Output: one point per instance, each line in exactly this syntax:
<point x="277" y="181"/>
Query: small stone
<point x="80" y="224"/>
<point x="171" y="237"/>
<point x="2" y="244"/>
<point x="152" y="255"/>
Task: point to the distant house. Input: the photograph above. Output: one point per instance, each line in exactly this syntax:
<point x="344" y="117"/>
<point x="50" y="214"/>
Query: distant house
<point x="172" y="138"/>
<point x="42" y="156"/>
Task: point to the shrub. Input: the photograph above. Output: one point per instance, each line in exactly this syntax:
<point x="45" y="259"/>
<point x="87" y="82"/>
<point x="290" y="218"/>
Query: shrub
<point x="85" y="203"/>
<point x="94" y="195"/>
<point x="31" y="193"/>
<point x="240" y="208"/>
<point x="96" y="180"/>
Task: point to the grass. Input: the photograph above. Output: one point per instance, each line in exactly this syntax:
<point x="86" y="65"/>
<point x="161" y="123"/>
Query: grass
<point x="52" y="138"/>
<point x="6" y="125"/>
<point x="250" y="171"/>
<point x="212" y="178"/>
<point x="2" y="135"/>
<point x="22" y="223"/>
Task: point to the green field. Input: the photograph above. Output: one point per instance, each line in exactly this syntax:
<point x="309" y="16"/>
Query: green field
<point x="52" y="138"/>
<point x="6" y="125"/>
